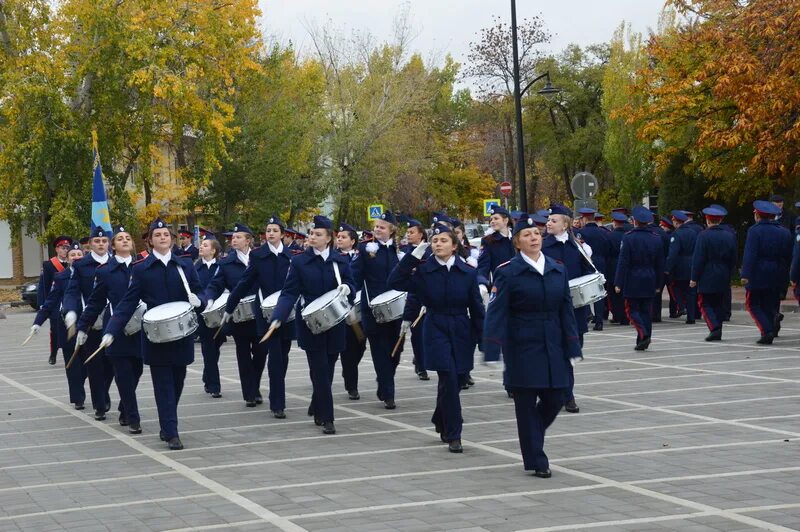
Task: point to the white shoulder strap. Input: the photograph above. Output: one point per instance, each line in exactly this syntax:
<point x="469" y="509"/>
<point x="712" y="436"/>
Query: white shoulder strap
<point x="582" y="251"/>
<point x="336" y="273"/>
<point x="183" y="278"/>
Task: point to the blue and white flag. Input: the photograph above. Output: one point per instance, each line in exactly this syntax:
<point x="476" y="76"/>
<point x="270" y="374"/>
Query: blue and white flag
<point x="100" y="215"/>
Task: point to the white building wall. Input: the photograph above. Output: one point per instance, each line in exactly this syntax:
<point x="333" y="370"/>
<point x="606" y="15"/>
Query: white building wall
<point x="6" y="259"/>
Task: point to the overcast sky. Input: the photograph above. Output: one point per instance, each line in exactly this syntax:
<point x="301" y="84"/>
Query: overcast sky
<point x="446" y="26"/>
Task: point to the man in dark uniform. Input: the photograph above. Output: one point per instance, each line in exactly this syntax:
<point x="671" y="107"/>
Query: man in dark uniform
<point x="691" y="223"/>
<point x="783" y="217"/>
<point x="765" y="268"/>
<point x="655" y="309"/>
<point x="187" y="248"/>
<point x="616" y="301"/>
<point x="638" y="275"/>
<point x="624" y="211"/>
<point x="50" y="268"/>
<point x="679" y="265"/>
<point x="601" y="246"/>
<point x="668" y="227"/>
<point x="713" y="263"/>
<point x="727" y="302"/>
<point x="794" y="273"/>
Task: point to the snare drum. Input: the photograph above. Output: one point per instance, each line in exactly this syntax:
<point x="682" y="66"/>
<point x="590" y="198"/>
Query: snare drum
<point x="244" y="310"/>
<point x="169" y="322"/>
<point x="327" y="311"/>
<point x="213" y="315"/>
<point x="587" y="289"/>
<point x="355" y="313"/>
<point x="134" y="324"/>
<point x="269" y="304"/>
<point x="388" y="306"/>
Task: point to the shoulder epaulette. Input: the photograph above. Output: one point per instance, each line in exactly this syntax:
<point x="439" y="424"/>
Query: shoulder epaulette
<point x="506" y="263"/>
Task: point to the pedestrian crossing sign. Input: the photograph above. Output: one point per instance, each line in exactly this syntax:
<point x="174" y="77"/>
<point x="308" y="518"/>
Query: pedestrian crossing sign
<point x="488" y="204"/>
<point x="374" y="212"/>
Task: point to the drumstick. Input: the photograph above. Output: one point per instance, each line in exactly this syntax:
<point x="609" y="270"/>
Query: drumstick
<point x="219" y="329"/>
<point x="72" y="358"/>
<point x="397" y="345"/>
<point x="421" y="313"/>
<point x="358" y="331"/>
<point x="93" y="354"/>
<point x="28" y="339"/>
<point x="271" y="330"/>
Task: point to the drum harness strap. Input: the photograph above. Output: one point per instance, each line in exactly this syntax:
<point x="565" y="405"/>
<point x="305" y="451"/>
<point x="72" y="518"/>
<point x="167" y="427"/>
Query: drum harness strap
<point x="582" y="252"/>
<point x="183" y="278"/>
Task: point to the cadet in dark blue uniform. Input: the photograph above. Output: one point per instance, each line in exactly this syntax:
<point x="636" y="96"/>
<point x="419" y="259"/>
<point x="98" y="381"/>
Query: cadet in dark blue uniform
<point x="668" y="229"/>
<point x="251" y="356"/>
<point x="601" y="245"/>
<point x="448" y="287"/>
<point x="125" y="354"/>
<point x="415" y="235"/>
<point x="794" y="273"/>
<point x="187" y="248"/>
<point x="76" y="373"/>
<point x="356" y="344"/>
<point x="655" y="308"/>
<point x="312" y="274"/>
<point x="727" y="299"/>
<point x="679" y="265"/>
<point x="207" y="267"/>
<point x="155" y="281"/>
<point x="531" y="321"/>
<point x="627" y="225"/>
<point x="371" y="269"/>
<point x="77" y="293"/>
<point x="765" y="265"/>
<point x="50" y="268"/>
<point x="265" y="275"/>
<point x="562" y="247"/>
<point x="616" y="301"/>
<point x="713" y="264"/>
<point x="639" y="271"/>
<point x="691" y="223"/>
<point x="496" y="248"/>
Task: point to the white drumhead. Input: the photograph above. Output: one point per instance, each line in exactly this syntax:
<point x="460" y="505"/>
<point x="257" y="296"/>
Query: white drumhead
<point x="167" y="310"/>
<point x="219" y="302"/>
<point x="271" y="300"/>
<point x="320" y="302"/>
<point x="583" y="279"/>
<point x="385" y="297"/>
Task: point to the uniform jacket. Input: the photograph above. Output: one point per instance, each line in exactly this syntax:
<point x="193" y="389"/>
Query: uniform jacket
<point x="191" y="251"/>
<point x="615" y="236"/>
<point x="371" y="275"/>
<point x="576" y="265"/>
<point x="495" y="250"/>
<point x="46" y="278"/>
<point x="413" y="303"/>
<point x="714" y="260"/>
<point x="454" y="318"/>
<point x="641" y="264"/>
<point x="52" y="306"/>
<point x="767" y="256"/>
<point x="81" y="284"/>
<point x="230" y="271"/>
<point x="681" y="249"/>
<point x="601" y="244"/>
<point x="530" y="320"/>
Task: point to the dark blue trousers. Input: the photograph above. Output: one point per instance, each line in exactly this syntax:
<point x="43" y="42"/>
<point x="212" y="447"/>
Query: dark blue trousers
<point x="536" y="409"/>
<point x="210" y="349"/>
<point x="167" y="388"/>
<point x="570" y="390"/>
<point x="321" y="397"/>
<point x="351" y="357"/>
<point x="762" y="305"/>
<point x="599" y="309"/>
<point x="686" y="298"/>
<point x="127" y="371"/>
<point x="76" y="374"/>
<point x="417" y="346"/>
<point x="251" y="357"/>
<point x="277" y="363"/>
<point x="99" y="371"/>
<point x="640" y="316"/>
<point x="381" y="344"/>
<point x="447" y="415"/>
<point x="712" y="308"/>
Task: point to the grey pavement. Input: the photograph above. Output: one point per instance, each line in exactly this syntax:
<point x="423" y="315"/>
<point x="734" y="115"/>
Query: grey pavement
<point x="689" y="436"/>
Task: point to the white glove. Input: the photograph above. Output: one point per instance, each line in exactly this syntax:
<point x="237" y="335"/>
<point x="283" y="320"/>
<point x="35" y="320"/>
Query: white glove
<point x="275" y="324"/>
<point x="107" y="340"/>
<point x="574" y="361"/>
<point x="194" y="300"/>
<point x="226" y="317"/>
<point x="35" y="329"/>
<point x="209" y="304"/>
<point x="70" y="319"/>
<point x="484" y="291"/>
<point x="81" y="338"/>
<point x="405" y="327"/>
<point x="419" y="251"/>
<point x="343" y="289"/>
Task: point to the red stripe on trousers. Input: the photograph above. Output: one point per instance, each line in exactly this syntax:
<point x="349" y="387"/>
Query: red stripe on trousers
<point x="639" y="329"/>
<point x="703" y="312"/>
<point x="750" y="311"/>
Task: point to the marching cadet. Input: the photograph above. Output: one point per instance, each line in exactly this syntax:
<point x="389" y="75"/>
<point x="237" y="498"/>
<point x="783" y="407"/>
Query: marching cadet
<point x="496" y="248"/>
<point x="77" y="293"/>
<point x="562" y="247"/>
<point x="314" y="272"/>
<point x="767" y="254"/>
<point x="125" y="355"/>
<point x="727" y="301"/>
<point x="346" y="241"/>
<point x="76" y="373"/>
<point x="624" y="211"/>
<point x="207" y="268"/>
<point x="251" y="356"/>
<point x="50" y="268"/>
<point x="371" y="268"/>
<point x="639" y="270"/>
<point x="265" y="274"/>
<point x="794" y="273"/>
<point x="615" y="300"/>
<point x="668" y="228"/>
<point x="655" y="308"/>
<point x="601" y="246"/>
<point x="161" y="278"/>
<point x="448" y="287"/>
<point x="531" y="321"/>
<point x="679" y="265"/>
<point x="187" y="248"/>
<point x="416" y="235"/>
<point x="691" y="223"/>
<point x="713" y="264"/>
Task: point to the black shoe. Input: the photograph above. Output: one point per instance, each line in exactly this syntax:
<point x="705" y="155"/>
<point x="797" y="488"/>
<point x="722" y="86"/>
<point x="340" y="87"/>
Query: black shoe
<point x="79" y="406"/>
<point x="310" y="410"/>
<point x="99" y="415"/>
<point x="423" y="375"/>
<point x="690" y="322"/>
<point x="714" y="336"/>
<point x="464" y="385"/>
<point x="123" y="420"/>
<point x="455" y="447"/>
<point x="353" y="395"/>
<point x="328" y="428"/>
<point x="571" y="407"/>
<point x="542" y="473"/>
<point x="470" y="381"/>
<point x="175" y="444"/>
<point x="279" y="414"/>
<point x="216" y="395"/>
<point x="765" y="340"/>
<point x="162" y="436"/>
<point x="642" y="344"/>
<point x="442" y="437"/>
<point x="250" y="404"/>
<point x="389" y="404"/>
<point x="135" y="428"/>
<point x="317" y="421"/>
<point x="510" y="394"/>
<point x="259" y="399"/>
<point x="52" y="360"/>
<point x="680" y="314"/>
<point x="598" y="326"/>
<point x="673" y="315"/>
<point x="205" y="389"/>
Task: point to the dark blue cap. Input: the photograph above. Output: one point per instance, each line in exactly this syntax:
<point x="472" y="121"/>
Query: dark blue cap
<point x="679" y="215"/>
<point x="586" y="211"/>
<point x="545" y="213"/>
<point x="120" y="229"/>
<point x="440" y="228"/>
<point x="642" y="214"/>
<point x="720" y="207"/>
<point x="402" y="218"/>
<point x="623" y="210"/>
<point x="538" y="219"/>
<point x="241" y="228"/>
<point x="158" y="223"/>
<point x="599" y="216"/>
<point x="524" y="222"/>
<point x="205" y="233"/>
<point x="619" y="216"/>
<point x="713" y="212"/>
<point x="85" y="240"/>
<point x="99" y="232"/>
<point x="346" y="227"/>
<point x="389" y="216"/>
<point x="766" y="207"/>
<point x="776" y="198"/>
<point x="412" y="222"/>
<point x="557" y="208"/>
<point x="321" y="222"/>
<point x="456" y="222"/>
<point x="275" y="219"/>
<point x="62" y="240"/>
<point x="667" y="221"/>
<point x="440" y="217"/>
<point x="75" y="246"/>
<point x="184" y="232"/>
<point x="497" y="209"/>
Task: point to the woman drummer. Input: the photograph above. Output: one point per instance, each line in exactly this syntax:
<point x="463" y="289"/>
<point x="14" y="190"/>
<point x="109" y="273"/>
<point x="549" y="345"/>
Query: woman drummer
<point x="251" y="356"/>
<point x="496" y="248"/>
<point x="313" y="273"/>
<point x="207" y="267"/>
<point x="470" y="255"/>
<point x="110" y="284"/>
<point x="159" y="279"/>
<point x="448" y="287"/>
<point x="371" y="270"/>
<point x="266" y="274"/>
<point x="346" y="240"/>
<point x="530" y="320"/>
<point x="415" y="234"/>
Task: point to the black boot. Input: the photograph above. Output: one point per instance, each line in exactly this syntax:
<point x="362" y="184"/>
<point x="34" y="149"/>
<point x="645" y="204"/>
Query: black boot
<point x="714" y="336"/>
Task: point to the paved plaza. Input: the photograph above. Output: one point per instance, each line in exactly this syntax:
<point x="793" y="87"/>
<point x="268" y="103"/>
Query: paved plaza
<point x="687" y="436"/>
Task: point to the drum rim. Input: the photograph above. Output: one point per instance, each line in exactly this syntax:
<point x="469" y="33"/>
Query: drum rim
<point x="187" y="309"/>
<point x="388" y="300"/>
<point x="326" y="305"/>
